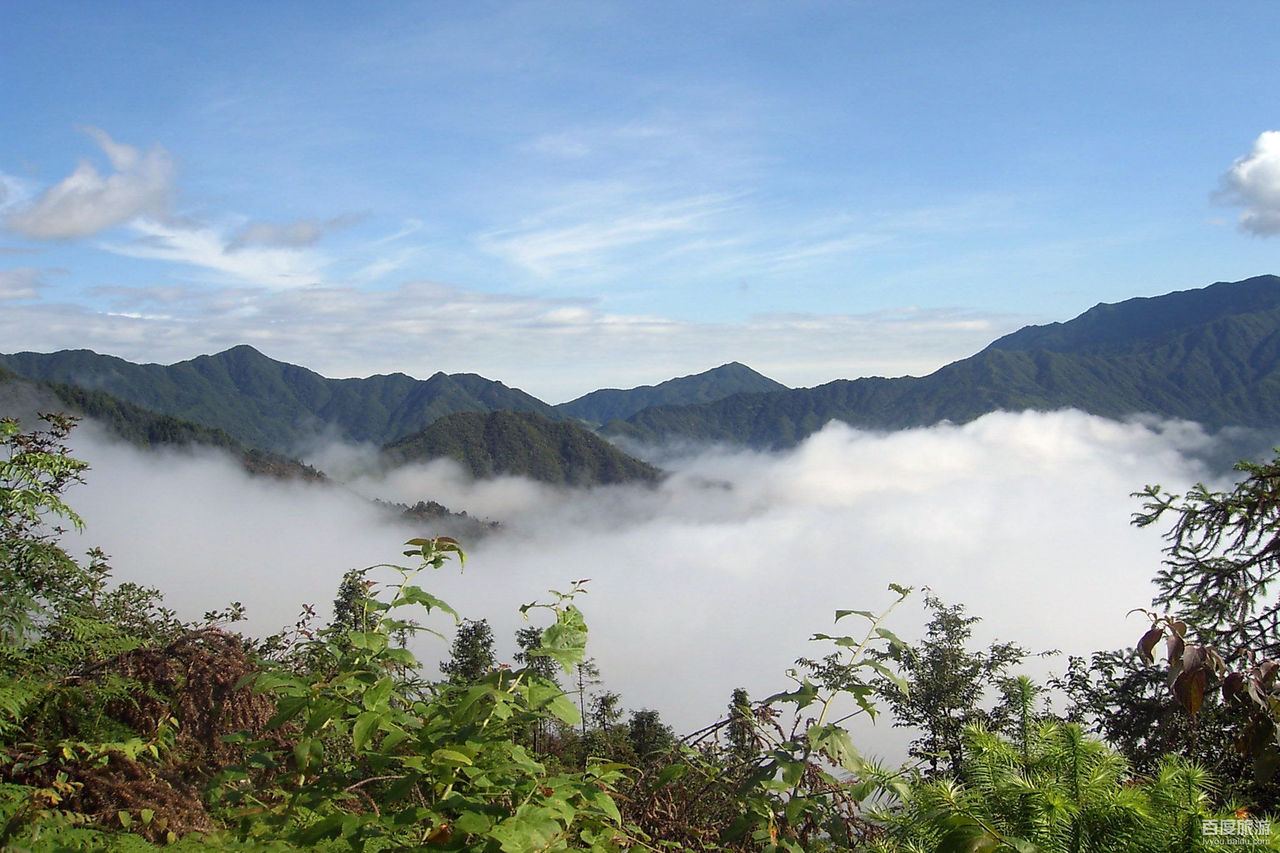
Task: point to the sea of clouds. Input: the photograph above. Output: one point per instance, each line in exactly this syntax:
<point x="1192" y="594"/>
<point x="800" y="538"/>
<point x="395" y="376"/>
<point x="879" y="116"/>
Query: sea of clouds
<point x="717" y="577"/>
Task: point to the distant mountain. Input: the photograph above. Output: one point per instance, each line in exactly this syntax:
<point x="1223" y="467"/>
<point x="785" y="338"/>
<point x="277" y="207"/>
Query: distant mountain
<point x="524" y="444"/>
<point x="1210" y="355"/>
<point x="600" y="407"/>
<point x="273" y="405"/>
<point x="24" y="399"/>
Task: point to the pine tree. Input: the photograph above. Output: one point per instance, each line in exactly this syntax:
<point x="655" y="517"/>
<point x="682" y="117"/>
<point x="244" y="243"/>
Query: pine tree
<point x="471" y="656"/>
<point x="741" y="730"/>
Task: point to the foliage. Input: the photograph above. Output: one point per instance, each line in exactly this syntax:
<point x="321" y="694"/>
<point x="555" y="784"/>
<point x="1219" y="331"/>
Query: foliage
<point x="1223" y="556"/>
<point x="122" y="728"/>
<point x="1222" y="634"/>
<point x="740" y="729"/>
<point x="805" y="787"/>
<point x="944" y="683"/>
<point x="471" y="656"/>
<point x="1055" y="790"/>
<point x="380" y="758"/>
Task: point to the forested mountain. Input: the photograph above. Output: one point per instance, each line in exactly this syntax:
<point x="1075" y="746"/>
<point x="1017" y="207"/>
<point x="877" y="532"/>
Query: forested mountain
<point x="1210" y="355"/>
<point x="525" y="444"/>
<point x="608" y="404"/>
<point x="269" y="404"/>
<point x="24" y="398"/>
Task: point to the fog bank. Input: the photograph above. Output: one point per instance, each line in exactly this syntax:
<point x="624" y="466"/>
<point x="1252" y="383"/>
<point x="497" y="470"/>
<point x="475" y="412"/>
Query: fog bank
<point x="715" y="578"/>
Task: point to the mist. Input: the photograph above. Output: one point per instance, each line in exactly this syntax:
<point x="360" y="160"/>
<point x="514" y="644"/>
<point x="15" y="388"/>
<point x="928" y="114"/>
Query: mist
<point x="715" y="578"/>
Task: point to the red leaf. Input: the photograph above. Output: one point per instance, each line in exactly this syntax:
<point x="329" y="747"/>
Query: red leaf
<point x="1147" y="643"/>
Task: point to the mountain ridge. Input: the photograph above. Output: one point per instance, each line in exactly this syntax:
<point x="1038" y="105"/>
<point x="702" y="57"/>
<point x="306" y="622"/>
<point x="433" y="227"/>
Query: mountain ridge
<point x="275" y="405"/>
<point x="1211" y="355"/>
<point x="608" y="404"/>
<point x="523" y="444"/>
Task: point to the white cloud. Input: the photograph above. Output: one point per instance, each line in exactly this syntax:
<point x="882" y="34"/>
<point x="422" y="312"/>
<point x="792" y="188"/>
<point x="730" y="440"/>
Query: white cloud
<point x="257" y="263"/>
<point x="87" y="202"/>
<point x="1253" y="182"/>
<point x="22" y="283"/>
<point x="714" y="579"/>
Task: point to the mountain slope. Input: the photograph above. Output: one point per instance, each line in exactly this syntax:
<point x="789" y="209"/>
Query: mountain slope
<point x="23" y="399"/>
<point x="608" y="404"/>
<point x="524" y="444"/>
<point x="1210" y="355"/>
<point x="271" y="404"/>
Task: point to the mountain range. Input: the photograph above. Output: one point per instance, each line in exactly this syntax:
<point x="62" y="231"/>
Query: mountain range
<point x="1211" y="355"/>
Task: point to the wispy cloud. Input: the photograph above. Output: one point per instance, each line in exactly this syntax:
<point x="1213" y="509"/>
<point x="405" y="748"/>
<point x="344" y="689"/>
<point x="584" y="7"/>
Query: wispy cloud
<point x="583" y="239"/>
<point x="22" y="283"/>
<point x="207" y="247"/>
<point x="87" y="202"/>
<point x="1253" y="182"/>
<point x="288" y="235"/>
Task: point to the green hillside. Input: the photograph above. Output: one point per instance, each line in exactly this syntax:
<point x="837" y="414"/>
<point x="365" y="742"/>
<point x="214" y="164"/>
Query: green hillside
<point x="524" y="444"/>
<point x="24" y="398"/>
<point x="1210" y="355"/>
<point x="273" y="405"/>
<point x="608" y="404"/>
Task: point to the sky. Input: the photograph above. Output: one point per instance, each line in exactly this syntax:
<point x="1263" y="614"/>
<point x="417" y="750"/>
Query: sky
<point x="572" y="195"/>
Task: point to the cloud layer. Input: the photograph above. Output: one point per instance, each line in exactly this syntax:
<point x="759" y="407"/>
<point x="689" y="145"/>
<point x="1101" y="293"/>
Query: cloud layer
<point x="716" y="578"/>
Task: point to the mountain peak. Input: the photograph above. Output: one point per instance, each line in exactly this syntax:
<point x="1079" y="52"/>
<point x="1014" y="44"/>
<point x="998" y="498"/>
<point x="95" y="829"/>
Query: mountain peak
<point x="600" y="407"/>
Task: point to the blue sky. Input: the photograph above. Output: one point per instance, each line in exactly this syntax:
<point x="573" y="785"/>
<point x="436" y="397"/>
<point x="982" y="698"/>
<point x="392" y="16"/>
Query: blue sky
<point x="566" y="196"/>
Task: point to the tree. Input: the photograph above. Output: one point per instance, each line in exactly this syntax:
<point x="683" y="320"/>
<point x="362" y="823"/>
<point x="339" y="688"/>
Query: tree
<point x="741" y="731"/>
<point x="36" y="575"/>
<point x="529" y="640"/>
<point x="1222" y="558"/>
<point x="585" y="674"/>
<point x="1221" y="627"/>
<point x="471" y="656"/>
<point x="1060" y="791"/>
<point x="351" y="611"/>
<point x="945" y="683"/>
<point x="649" y="736"/>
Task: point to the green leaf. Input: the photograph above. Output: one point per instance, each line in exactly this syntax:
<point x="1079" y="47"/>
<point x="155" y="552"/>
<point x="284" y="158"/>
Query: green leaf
<point x="671" y="772"/>
<point x="377" y="695"/>
<point x="451" y="756"/>
<point x="565" y="641"/>
<point x="363" y="729"/>
<point x="372" y="641"/>
<point x="802" y="696"/>
<point x="893" y="638"/>
<point x="898" y="680"/>
<point x="329" y="827"/>
<point x="417" y="595"/>
<point x="968" y="837"/>
<point x="865" y="614"/>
